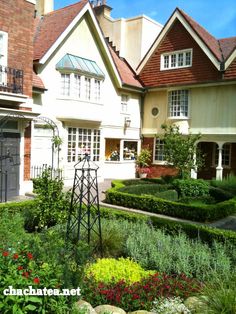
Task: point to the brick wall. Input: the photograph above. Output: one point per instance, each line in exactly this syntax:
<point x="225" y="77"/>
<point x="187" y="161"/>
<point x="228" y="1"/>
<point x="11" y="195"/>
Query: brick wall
<point x="157" y="171"/>
<point x="177" y="38"/>
<point x="17" y="18"/>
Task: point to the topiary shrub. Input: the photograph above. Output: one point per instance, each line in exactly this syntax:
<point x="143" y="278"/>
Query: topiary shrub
<point x="113" y="270"/>
<point x="219" y="195"/>
<point x="191" y="187"/>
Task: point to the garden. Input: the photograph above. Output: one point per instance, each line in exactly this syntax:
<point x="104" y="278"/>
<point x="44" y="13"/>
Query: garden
<point x="147" y="264"/>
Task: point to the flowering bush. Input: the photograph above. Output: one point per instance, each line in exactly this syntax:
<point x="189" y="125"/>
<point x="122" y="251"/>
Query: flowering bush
<point x="139" y="295"/>
<point x="20" y="270"/>
<point x="143" y="170"/>
<point x="170" y="306"/>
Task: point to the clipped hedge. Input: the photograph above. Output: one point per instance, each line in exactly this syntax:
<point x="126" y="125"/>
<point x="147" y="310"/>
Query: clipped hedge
<point x="203" y="232"/>
<point x="200" y="213"/>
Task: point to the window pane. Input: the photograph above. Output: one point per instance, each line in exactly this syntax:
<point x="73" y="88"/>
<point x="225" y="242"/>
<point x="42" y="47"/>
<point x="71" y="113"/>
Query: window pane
<point x="87" y="88"/>
<point x="97" y="90"/>
<point x="180" y="59"/>
<point x="159" y="150"/>
<point x="166" y="62"/>
<point x="65" y="84"/>
<point x="77" y="85"/>
<point x="124" y="103"/>
<point x="130" y="150"/>
<point x="173" y="61"/>
<point x="188" y="58"/>
<point x="178" y="103"/>
<point x="83" y="141"/>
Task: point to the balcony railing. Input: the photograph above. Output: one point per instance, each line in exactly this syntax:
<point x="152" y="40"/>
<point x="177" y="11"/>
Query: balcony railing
<point x="11" y="80"/>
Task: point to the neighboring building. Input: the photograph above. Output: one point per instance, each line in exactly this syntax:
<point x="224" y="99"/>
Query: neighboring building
<point x="190" y="80"/>
<point x="132" y="37"/>
<point x="86" y="93"/>
<point x="16" y="60"/>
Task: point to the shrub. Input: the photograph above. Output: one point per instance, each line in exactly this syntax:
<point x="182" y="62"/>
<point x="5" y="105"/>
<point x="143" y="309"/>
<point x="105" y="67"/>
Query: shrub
<point x="19" y="269"/>
<point x="219" y="195"/>
<point x="227" y="184"/>
<point x="176" y="254"/>
<point x="110" y="270"/>
<point x="139" y="295"/>
<point x="51" y="202"/>
<point x="153" y="204"/>
<point x="151" y="189"/>
<point x="218" y="296"/>
<point x="191" y="187"/>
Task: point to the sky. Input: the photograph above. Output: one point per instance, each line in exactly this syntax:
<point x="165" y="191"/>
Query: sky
<point x="218" y="17"/>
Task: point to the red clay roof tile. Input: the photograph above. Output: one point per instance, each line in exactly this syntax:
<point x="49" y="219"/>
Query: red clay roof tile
<point x="50" y="26"/>
<point x="37" y="82"/>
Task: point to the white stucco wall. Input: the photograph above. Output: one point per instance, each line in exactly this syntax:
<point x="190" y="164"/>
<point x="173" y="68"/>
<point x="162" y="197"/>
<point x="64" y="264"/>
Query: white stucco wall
<point x="67" y="111"/>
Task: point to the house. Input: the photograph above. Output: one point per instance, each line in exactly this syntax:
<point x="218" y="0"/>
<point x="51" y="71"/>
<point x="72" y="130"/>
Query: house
<point x="16" y="59"/>
<point x="190" y="81"/>
<point x="87" y="96"/>
<point x="132" y="37"/>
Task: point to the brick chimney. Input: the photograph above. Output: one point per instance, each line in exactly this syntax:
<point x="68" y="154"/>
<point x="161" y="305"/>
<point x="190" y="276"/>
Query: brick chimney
<point x="44" y="6"/>
<point x="101" y="8"/>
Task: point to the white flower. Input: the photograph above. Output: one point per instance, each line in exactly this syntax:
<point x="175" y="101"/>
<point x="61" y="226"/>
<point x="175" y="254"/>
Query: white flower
<point x="170" y="306"/>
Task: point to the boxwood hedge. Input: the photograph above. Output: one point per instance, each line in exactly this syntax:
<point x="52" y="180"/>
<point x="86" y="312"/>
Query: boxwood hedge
<point x="198" y="213"/>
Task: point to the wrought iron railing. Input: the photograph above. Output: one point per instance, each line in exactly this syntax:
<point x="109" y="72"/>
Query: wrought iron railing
<point x="11" y="80"/>
<point x="36" y="172"/>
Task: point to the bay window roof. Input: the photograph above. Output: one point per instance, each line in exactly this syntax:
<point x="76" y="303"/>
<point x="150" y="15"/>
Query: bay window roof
<point x="84" y="66"/>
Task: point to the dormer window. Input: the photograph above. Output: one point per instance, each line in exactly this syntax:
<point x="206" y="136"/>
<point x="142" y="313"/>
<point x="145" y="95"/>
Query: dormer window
<point x="176" y="59"/>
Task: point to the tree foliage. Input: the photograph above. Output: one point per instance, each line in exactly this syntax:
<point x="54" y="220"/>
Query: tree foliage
<point x="181" y="151"/>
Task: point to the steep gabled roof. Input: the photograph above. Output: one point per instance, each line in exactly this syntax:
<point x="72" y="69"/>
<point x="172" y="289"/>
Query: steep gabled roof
<point x="127" y="74"/>
<point x="49" y="27"/>
<point x="53" y="27"/>
<point x="218" y="51"/>
<point x="228" y="46"/>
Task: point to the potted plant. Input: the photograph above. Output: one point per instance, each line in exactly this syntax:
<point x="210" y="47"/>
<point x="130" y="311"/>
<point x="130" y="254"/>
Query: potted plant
<point x="142" y="162"/>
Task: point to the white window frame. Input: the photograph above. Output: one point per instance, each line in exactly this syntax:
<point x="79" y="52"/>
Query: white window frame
<point x="177" y="109"/>
<point x="97" y="90"/>
<point x="81" y="141"/>
<point x="3" y="56"/>
<point x="171" y="60"/>
<point x="124" y="99"/>
<point x="65" y="84"/>
<point x="158" y="142"/>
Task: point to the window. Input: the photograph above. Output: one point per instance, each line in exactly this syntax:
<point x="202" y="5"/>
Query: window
<point x="159" y="150"/>
<point x="97" y="90"/>
<point x="178" y="102"/>
<point x="177" y="59"/>
<point x="124" y="103"/>
<point x="65" y="84"/>
<point x="77" y="85"/>
<point x="130" y="150"/>
<point x="226" y="154"/>
<point x="82" y="141"/>
<point x="3" y="56"/>
<point x="87" y="88"/>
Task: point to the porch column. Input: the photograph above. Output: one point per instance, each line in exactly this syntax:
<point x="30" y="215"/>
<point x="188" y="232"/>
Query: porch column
<point x="194" y="170"/>
<point x="219" y="168"/>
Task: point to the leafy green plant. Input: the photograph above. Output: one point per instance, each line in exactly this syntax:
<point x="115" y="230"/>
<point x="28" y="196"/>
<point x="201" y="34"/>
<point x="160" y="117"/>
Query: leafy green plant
<point x="218" y="296"/>
<point x="228" y="184"/>
<point x="176" y="254"/>
<point x="181" y="151"/>
<point x="113" y="270"/>
<point x="144" y="158"/>
<point x="19" y="269"/>
<point x="191" y="187"/>
<point x="51" y="202"/>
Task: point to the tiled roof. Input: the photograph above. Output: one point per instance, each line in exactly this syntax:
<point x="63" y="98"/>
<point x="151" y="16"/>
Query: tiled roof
<point x="228" y="45"/>
<point x="126" y="73"/>
<point x="209" y="40"/>
<point x="50" y="26"/>
<point x="220" y="48"/>
<point x="37" y="82"/>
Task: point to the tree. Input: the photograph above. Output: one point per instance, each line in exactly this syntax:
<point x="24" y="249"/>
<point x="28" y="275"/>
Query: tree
<point x="181" y="151"/>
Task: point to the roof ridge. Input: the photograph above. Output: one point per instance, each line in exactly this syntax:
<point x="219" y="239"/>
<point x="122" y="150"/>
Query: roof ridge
<point x="66" y="7"/>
